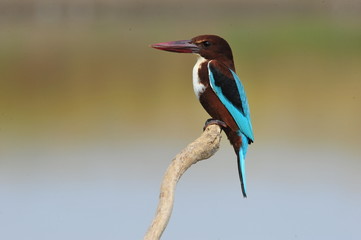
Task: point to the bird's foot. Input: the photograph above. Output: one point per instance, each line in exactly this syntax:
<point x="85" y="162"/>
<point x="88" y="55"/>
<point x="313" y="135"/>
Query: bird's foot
<point x="214" y="121"/>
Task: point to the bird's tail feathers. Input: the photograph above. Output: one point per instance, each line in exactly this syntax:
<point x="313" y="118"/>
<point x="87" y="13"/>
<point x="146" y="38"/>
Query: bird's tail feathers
<point x="242" y="171"/>
<point x="240" y="143"/>
<point x="241" y="155"/>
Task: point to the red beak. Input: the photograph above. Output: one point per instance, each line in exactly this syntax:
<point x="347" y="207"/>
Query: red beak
<point x="182" y="46"/>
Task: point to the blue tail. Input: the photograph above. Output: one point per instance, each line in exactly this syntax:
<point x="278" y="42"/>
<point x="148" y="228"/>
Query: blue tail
<point x="241" y="164"/>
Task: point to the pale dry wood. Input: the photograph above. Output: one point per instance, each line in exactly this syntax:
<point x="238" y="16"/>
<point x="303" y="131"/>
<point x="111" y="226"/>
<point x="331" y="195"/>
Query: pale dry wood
<point x="202" y="148"/>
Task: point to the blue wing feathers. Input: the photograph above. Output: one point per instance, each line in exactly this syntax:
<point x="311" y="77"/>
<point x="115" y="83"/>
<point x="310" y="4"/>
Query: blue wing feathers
<point x="242" y="94"/>
<point x="224" y="80"/>
<point x="241" y="115"/>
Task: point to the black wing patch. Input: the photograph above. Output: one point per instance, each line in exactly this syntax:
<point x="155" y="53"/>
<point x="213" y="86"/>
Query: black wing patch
<point x="228" y="86"/>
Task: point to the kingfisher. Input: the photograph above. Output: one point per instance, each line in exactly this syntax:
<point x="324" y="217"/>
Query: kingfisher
<point x="220" y="91"/>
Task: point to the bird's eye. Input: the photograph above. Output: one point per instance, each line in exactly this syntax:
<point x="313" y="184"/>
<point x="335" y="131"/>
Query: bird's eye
<point x="206" y="44"/>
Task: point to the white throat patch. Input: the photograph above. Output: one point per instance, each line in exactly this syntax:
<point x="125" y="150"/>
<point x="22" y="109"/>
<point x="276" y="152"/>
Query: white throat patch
<point x="198" y="87"/>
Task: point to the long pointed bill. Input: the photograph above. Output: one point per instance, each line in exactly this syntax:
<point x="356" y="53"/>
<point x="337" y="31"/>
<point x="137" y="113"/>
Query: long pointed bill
<point x="182" y="46"/>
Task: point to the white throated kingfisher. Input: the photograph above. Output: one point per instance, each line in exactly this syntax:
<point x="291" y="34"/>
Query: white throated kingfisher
<point x="219" y="90"/>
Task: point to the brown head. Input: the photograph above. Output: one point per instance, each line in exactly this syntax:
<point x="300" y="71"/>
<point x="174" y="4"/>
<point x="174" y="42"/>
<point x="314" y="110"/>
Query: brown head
<point x="210" y="47"/>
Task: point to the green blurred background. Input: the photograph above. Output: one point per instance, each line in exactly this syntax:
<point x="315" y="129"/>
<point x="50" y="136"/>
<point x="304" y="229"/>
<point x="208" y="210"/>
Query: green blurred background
<point x="90" y="117"/>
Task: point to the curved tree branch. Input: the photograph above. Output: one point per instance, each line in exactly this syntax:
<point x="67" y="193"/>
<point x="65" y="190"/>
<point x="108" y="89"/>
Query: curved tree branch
<point x="202" y="148"/>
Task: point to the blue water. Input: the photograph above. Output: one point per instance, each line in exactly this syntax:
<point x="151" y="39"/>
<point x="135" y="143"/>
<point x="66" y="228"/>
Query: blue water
<point x="110" y="191"/>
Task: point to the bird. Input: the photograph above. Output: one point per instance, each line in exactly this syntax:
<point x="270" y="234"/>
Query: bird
<point x="219" y="90"/>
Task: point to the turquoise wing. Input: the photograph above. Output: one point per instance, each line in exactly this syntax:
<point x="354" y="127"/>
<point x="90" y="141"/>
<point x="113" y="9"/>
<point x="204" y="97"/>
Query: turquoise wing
<point x="230" y="91"/>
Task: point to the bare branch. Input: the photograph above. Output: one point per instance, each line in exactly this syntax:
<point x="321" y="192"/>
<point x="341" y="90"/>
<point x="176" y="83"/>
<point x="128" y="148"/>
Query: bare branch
<point x="202" y="148"/>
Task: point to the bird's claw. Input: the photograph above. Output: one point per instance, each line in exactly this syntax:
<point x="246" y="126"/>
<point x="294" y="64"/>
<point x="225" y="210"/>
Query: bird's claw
<point x="216" y="122"/>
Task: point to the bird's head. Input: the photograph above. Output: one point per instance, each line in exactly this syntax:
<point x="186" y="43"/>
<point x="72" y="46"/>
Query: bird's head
<point x="210" y="47"/>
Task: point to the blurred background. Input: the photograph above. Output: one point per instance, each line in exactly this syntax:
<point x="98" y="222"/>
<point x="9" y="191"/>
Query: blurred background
<point x="90" y="118"/>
